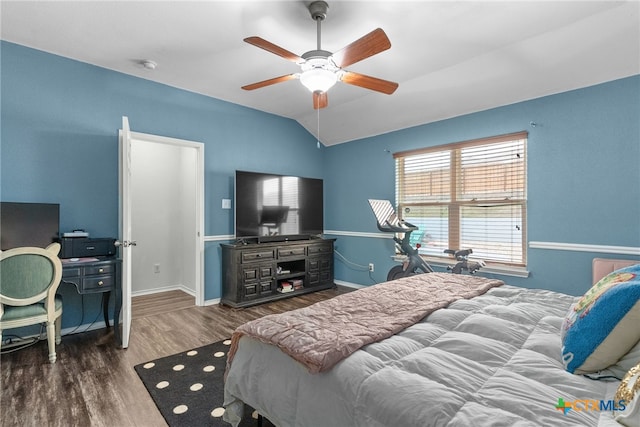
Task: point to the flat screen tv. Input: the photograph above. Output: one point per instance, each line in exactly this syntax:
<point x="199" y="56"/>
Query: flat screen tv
<point x="273" y="207"/>
<point x="28" y="224"/>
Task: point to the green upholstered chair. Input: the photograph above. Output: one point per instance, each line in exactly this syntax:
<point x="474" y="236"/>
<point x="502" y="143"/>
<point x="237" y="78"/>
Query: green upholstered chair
<point x="29" y="278"/>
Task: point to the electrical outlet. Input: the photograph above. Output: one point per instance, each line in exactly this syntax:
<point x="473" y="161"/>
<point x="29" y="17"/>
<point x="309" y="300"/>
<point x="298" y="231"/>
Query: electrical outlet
<point x="156" y="268"/>
<point x="370" y="266"/>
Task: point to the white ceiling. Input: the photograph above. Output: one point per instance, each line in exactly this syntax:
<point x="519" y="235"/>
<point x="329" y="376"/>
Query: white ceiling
<point x="449" y="57"/>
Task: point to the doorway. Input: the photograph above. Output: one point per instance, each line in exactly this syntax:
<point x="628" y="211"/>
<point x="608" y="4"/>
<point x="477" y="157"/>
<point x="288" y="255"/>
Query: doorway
<point x="166" y="216"/>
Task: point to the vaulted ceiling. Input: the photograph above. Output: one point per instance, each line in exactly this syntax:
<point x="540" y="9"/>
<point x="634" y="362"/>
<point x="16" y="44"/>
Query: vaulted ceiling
<point x="449" y="57"/>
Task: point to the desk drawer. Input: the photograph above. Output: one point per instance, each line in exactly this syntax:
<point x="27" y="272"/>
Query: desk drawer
<point x="98" y="269"/>
<point x="71" y="272"/>
<point x="92" y="277"/>
<point x="97" y="283"/>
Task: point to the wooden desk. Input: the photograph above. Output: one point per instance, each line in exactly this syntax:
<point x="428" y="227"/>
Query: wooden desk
<point x="97" y="275"/>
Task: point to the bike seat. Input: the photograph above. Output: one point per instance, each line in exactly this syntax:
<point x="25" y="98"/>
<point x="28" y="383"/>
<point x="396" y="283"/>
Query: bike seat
<point x="459" y="254"/>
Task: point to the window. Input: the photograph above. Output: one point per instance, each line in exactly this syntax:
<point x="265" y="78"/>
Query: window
<point x="467" y="195"/>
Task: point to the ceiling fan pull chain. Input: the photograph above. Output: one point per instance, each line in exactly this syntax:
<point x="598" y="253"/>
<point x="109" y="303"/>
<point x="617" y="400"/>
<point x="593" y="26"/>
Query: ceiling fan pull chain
<point x="318" y="132"/>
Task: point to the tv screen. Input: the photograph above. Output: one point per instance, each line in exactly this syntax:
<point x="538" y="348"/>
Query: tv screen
<point x="278" y="207"/>
<point x="28" y="224"/>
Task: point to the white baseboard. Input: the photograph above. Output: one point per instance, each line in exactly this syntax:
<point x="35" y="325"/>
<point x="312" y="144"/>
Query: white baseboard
<point x="349" y="284"/>
<point x="178" y="287"/>
<point x="212" y="301"/>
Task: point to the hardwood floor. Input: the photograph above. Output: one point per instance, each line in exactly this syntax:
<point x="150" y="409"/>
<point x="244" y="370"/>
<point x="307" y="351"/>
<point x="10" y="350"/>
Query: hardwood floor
<point x="149" y="305"/>
<point x="93" y="383"/>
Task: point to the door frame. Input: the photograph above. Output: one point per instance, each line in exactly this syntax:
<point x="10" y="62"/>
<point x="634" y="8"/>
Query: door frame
<point x="199" y="231"/>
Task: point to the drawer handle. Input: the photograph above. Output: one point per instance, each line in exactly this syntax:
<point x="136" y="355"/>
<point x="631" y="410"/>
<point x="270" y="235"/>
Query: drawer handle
<point x="100" y="270"/>
<point x="258" y="255"/>
<point x="100" y="283"/>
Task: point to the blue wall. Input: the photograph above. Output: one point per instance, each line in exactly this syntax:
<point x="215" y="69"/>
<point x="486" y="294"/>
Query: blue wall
<point x="59" y="144"/>
<point x="583" y="180"/>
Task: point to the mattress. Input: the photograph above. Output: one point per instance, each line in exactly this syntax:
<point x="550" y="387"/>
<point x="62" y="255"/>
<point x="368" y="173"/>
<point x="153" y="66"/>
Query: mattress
<point x="490" y="360"/>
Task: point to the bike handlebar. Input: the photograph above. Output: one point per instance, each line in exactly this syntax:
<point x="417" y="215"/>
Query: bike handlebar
<point x="403" y="227"/>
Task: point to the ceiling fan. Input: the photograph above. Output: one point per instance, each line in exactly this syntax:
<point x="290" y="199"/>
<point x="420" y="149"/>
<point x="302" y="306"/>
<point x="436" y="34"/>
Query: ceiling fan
<point x="321" y="69"/>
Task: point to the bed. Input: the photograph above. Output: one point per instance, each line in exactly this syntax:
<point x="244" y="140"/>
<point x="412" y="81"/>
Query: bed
<point x="483" y="353"/>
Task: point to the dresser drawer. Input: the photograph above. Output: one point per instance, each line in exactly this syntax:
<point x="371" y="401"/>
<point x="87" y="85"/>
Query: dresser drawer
<point x="250" y="273"/>
<point x="266" y="272"/>
<point x="290" y="252"/>
<point x="256" y="256"/>
<point x="266" y="287"/>
<point x="325" y="263"/>
<point x="250" y="290"/>
<point x="325" y="275"/>
<point x="320" y="249"/>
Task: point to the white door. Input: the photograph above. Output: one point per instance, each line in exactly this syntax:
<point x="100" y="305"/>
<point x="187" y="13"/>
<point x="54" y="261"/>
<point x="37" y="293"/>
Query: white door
<point x="127" y="138"/>
<point x="124" y="172"/>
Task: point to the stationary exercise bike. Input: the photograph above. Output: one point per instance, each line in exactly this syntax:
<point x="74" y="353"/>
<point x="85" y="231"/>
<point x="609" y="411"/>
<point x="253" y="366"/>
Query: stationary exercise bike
<point x="388" y="221"/>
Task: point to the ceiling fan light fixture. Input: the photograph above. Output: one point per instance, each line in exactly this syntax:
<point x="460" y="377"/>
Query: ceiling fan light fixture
<point x="318" y="79"/>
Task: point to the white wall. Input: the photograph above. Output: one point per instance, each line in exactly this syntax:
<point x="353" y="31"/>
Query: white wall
<point x="163" y="209"/>
<point x="188" y="208"/>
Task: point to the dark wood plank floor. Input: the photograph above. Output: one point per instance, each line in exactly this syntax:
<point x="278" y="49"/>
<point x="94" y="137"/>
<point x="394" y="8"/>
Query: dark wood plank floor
<point x="93" y="383"/>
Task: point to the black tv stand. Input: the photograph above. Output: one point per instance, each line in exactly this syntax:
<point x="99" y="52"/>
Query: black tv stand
<point x="253" y="273"/>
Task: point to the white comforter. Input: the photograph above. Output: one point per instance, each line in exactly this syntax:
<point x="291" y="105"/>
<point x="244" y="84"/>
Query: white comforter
<point x="492" y="360"/>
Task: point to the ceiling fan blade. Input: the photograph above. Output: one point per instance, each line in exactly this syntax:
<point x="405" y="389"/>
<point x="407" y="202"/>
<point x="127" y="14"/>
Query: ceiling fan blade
<point x="374" y="42"/>
<point x="269" y="82"/>
<point x="320" y="100"/>
<point x="270" y="47"/>
<point x="368" y="82"/>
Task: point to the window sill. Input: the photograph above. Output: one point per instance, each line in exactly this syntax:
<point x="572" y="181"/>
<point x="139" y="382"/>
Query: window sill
<point x="504" y="270"/>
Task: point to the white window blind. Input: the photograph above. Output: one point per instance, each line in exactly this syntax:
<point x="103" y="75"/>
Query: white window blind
<point x="467" y="195"/>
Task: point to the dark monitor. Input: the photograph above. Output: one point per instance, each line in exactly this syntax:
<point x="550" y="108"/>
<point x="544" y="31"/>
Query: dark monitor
<point x="28" y="224"/>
